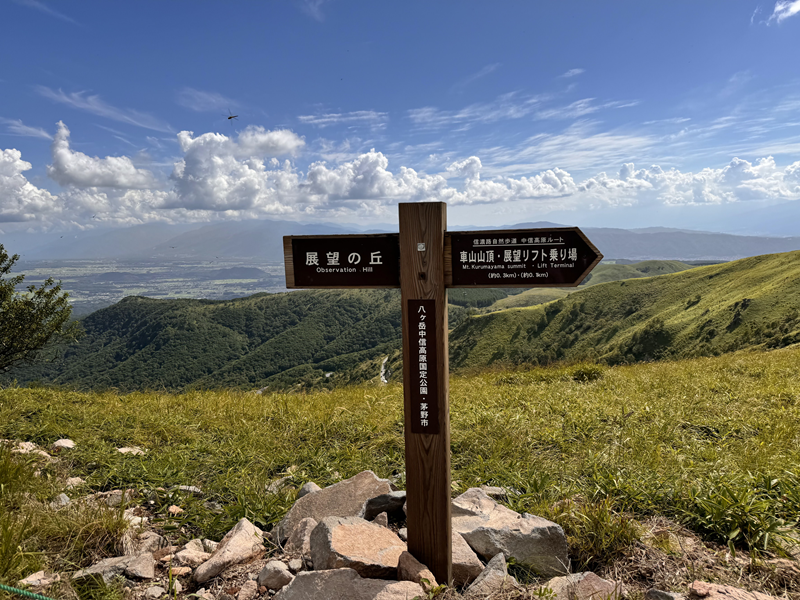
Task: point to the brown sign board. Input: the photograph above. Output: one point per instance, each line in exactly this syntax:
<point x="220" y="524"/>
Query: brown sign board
<point x="556" y="257"/>
<point x="342" y="261"/>
<point x="424" y="386"/>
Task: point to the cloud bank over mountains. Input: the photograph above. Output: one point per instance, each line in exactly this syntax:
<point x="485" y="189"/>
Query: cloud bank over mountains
<point x="254" y="174"/>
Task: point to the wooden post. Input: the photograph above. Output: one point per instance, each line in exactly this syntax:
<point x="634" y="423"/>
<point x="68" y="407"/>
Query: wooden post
<point x="427" y="408"/>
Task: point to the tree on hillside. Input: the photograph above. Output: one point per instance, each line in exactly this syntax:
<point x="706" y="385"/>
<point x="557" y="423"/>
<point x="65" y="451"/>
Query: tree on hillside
<point x="31" y="319"/>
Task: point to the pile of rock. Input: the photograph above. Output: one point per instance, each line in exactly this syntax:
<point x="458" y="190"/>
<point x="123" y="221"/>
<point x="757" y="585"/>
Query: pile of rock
<point x="345" y="541"/>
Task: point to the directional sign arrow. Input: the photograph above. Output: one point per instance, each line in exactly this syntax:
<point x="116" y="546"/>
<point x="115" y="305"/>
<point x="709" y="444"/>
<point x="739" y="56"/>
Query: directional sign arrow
<point x="555" y="257"/>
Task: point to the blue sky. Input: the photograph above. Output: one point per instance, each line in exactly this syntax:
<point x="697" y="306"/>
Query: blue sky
<point x="627" y="114"/>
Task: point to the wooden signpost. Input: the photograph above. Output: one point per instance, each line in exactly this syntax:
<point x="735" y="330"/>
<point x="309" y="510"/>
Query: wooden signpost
<point x="423" y="261"/>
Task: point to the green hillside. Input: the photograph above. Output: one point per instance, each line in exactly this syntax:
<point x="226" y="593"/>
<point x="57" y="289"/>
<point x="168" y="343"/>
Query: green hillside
<point x="142" y="343"/>
<point x="602" y="273"/>
<point x="326" y="338"/>
<point x="702" y="311"/>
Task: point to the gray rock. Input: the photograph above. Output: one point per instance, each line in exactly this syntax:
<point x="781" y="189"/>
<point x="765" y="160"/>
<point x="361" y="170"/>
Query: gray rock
<point x="194" y="545"/>
<point x="73" y="482"/>
<point x="308" y="488"/>
<point x="154" y="593"/>
<point x="61" y="501"/>
<point x="382" y="520"/>
<point x="490" y="528"/>
<point x="296" y="565"/>
<point x="654" y="594"/>
<point x="241" y="543"/>
<point x="346" y="583"/>
<point x="343" y="499"/>
<point x="584" y="586"/>
<point x="150" y="541"/>
<point x="350" y="542"/>
<point x="492" y="580"/>
<point x="402" y="533"/>
<point x="140" y="566"/>
<point x="275" y="575"/>
<point x="300" y="540"/>
<point x="466" y="564"/>
<point x="277" y="485"/>
<point x="391" y="503"/>
<point x="113" y="498"/>
<point x="210" y="545"/>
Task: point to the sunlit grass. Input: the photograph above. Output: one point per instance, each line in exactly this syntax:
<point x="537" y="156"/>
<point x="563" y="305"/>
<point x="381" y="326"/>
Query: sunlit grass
<point x="713" y="443"/>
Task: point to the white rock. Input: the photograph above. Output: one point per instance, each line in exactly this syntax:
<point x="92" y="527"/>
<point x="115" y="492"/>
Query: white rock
<point x="241" y="543"/>
<point x="308" y="488"/>
<point x="39" y="580"/>
<point x="61" y="501"/>
<point x="343" y="499"/>
<point x="494" y="579"/>
<point x="73" y="482"/>
<point x="133" y="450"/>
<point x="466" y="564"/>
<point x="62" y="444"/>
<point x="490" y="528"/>
<point x="299" y="541"/>
<point x="154" y="593"/>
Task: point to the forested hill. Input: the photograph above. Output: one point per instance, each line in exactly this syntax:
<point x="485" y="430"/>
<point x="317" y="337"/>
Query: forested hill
<point x="753" y="302"/>
<point x="326" y="337"/>
<point x="141" y="343"/>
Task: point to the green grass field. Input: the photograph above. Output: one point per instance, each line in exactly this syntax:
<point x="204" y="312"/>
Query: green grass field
<point x="712" y="443"/>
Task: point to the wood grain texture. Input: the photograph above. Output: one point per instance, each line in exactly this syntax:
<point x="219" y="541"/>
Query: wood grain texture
<point x="288" y="261"/>
<point x="427" y="456"/>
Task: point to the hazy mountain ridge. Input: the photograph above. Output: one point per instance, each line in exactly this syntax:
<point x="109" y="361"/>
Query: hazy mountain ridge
<point x="264" y="239"/>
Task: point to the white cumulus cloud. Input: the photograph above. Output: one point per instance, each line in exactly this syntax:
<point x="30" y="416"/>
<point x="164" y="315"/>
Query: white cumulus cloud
<point x="71" y="168"/>
<point x="221" y="173"/>
<point x="20" y="200"/>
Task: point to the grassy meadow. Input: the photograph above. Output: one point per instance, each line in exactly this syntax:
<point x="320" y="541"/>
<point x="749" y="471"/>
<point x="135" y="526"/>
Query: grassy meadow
<point x="711" y="443"/>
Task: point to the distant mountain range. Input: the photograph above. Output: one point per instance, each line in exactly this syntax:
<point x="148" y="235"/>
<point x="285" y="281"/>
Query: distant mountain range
<point x="262" y="239"/>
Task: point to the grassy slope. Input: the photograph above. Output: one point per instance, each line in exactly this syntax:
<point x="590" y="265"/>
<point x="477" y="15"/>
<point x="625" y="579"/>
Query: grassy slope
<point x="651" y="438"/>
<point x="702" y="311"/>
<point x="602" y="273"/>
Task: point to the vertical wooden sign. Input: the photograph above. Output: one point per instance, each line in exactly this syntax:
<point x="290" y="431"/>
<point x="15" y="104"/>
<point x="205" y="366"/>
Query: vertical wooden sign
<point x="430" y="260"/>
<point x="426" y="404"/>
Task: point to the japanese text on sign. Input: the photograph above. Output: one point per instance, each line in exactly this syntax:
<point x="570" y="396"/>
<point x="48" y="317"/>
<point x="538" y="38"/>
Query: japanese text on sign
<point x="344" y="261"/>
<point x="521" y="258"/>
<point x="423" y="381"/>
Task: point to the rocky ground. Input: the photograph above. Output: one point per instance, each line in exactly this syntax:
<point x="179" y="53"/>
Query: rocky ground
<point x="347" y="541"/>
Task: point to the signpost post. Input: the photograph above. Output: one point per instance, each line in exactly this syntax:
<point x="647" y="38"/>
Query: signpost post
<point x="423" y="261"/>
